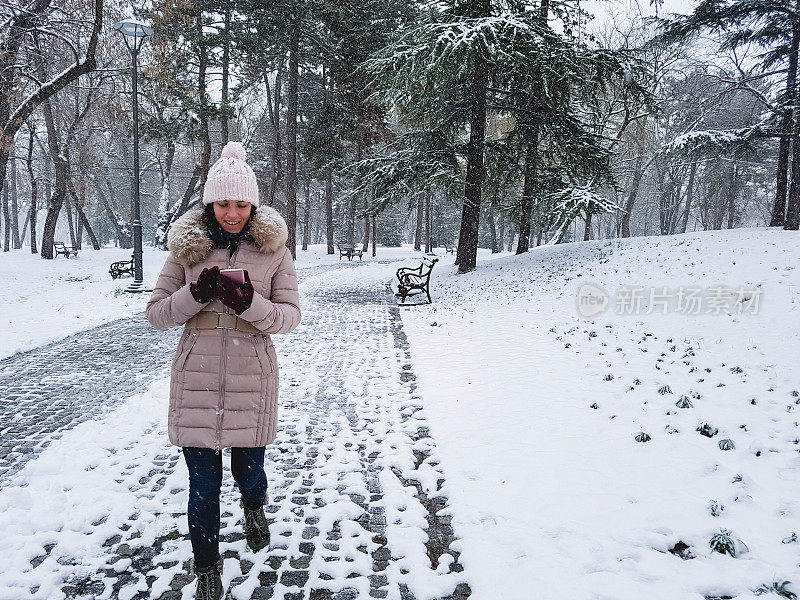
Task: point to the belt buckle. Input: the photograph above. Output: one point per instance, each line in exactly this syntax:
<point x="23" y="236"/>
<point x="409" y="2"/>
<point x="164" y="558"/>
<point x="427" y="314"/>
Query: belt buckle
<point x="227" y="321"/>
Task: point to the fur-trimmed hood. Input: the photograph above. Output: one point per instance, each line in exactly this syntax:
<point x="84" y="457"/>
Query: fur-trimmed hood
<point x="189" y="242"/>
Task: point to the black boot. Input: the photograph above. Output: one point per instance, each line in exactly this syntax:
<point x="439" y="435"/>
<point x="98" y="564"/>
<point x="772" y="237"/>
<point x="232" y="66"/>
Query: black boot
<point x="256" y="529"/>
<point x="209" y="582"/>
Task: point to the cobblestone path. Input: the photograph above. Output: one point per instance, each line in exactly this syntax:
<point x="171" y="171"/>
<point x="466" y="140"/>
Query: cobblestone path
<point x="355" y="489"/>
<point x="48" y="390"/>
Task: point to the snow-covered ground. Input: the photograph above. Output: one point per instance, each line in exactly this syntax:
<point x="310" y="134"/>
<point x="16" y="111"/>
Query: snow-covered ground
<point x="45" y="300"/>
<point x="535" y="409"/>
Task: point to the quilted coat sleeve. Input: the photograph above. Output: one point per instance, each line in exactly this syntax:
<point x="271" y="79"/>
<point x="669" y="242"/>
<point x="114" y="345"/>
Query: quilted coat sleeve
<point x="172" y="303"/>
<point x="281" y="313"/>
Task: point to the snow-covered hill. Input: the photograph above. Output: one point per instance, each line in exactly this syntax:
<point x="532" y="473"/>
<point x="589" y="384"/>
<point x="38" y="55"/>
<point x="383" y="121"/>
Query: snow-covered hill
<point x="537" y="410"/>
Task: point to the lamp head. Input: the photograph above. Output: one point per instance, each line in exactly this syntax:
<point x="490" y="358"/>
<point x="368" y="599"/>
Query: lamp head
<point x="134" y="33"/>
<point x="133" y="28"/>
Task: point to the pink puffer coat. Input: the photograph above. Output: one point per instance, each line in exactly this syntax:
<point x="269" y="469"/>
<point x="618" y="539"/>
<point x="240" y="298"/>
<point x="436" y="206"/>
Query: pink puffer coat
<point x="224" y="388"/>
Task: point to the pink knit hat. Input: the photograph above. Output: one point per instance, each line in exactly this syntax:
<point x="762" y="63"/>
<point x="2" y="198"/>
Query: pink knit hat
<point x="231" y="178"/>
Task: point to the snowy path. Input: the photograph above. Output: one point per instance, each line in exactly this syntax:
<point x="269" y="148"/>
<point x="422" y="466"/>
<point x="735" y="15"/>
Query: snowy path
<point x="49" y="390"/>
<point x="353" y="481"/>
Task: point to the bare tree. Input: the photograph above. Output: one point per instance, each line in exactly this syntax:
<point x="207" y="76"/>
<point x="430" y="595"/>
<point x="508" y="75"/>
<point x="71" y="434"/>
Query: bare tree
<point x="18" y="30"/>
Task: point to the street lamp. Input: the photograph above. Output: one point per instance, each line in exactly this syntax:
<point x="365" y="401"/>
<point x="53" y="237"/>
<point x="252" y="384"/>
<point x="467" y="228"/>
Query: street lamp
<point x="134" y="33"/>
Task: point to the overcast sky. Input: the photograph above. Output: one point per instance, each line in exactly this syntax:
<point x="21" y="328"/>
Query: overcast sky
<point x="601" y="9"/>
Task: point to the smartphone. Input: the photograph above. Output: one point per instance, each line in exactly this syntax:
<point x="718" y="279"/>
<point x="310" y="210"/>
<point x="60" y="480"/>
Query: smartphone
<point x="236" y="275"/>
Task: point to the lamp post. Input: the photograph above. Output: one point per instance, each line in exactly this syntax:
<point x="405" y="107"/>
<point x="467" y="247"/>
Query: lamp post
<point x="134" y="33"/>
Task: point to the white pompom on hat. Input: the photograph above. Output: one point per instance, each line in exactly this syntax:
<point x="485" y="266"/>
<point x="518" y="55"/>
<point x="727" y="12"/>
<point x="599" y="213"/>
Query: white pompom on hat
<point x="231" y="178"/>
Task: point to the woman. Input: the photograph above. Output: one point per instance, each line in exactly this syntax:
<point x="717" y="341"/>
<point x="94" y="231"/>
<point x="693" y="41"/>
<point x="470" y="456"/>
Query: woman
<point x="224" y="385"/>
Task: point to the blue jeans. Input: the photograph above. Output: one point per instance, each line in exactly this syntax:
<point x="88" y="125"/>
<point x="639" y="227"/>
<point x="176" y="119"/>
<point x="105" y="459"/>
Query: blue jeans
<point x="205" y="481"/>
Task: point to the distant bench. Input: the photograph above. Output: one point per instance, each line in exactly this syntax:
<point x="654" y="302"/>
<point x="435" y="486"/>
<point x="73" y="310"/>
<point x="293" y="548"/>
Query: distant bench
<point x="121" y="267"/>
<point x="349" y="250"/>
<point x="62" y="248"/>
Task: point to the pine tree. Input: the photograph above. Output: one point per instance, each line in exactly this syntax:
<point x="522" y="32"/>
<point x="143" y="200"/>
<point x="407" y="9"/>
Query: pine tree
<point x="452" y="72"/>
<point x="775" y="27"/>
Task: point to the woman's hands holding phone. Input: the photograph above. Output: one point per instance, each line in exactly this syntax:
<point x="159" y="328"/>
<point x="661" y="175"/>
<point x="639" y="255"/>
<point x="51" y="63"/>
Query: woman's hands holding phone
<point x="205" y="288"/>
<point x="235" y="295"/>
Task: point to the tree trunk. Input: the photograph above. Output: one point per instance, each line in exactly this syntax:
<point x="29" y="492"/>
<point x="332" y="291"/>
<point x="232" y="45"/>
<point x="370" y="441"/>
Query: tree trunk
<point x="307" y="217"/>
<point x="638" y="173"/>
<point x="531" y="141"/>
<point x="428" y="221"/>
<point x="34" y="189"/>
<point x="59" y="193"/>
<point x="467" y="252"/>
<point x="501" y="232"/>
<point x="194" y="187"/>
<point x="329" y="209"/>
<point x="202" y="55"/>
<point x="274" y="114"/>
<point x="226" y="60"/>
<point x="73" y="199"/>
<point x="78" y="229"/>
<point x="164" y="215"/>
<point x="53" y="210"/>
<point x="15" y="237"/>
<point x="25" y="224"/>
<point x="123" y="232"/>
<point x="291" y="132"/>
<point x="374" y="237"/>
<point x="6" y="222"/>
<point x="351" y="222"/>
<point x="779" y="208"/>
<point x="689" y="197"/>
<point x="83" y="221"/>
<point x="365" y="245"/>
<point x="730" y="211"/>
<point x="668" y="200"/>
<point x="492" y="229"/>
<point x="68" y="208"/>
<point x="418" y="230"/>
<point x="732" y="197"/>
<point x="351" y="205"/>
<point x="778" y="218"/>
<point x="793" y="208"/>
<point x="587" y="230"/>
<point x="720" y="204"/>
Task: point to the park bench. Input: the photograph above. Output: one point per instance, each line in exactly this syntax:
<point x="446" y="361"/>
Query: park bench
<point x="448" y="249"/>
<point x="62" y="248"/>
<point x="415" y="280"/>
<point x="349" y="250"/>
<point x="120" y="267"/>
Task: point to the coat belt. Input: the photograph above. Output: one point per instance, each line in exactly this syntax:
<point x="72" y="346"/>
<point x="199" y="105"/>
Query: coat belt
<point x="207" y="319"/>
